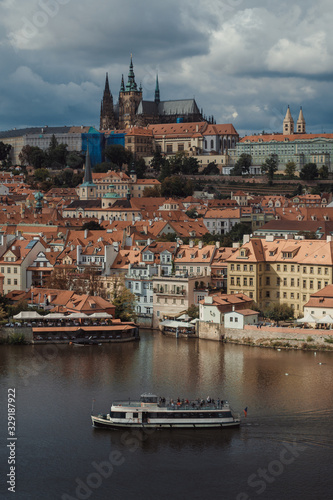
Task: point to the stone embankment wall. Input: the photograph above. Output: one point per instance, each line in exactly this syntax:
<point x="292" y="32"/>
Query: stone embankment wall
<point x="5" y="332"/>
<point x="294" y="338"/>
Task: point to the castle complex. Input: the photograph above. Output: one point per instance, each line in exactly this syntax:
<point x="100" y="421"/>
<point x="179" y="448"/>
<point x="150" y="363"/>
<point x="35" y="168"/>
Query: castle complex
<point x="132" y="110"/>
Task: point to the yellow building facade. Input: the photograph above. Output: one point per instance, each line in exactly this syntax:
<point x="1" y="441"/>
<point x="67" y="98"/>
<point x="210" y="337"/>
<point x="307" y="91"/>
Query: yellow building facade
<point x="281" y="270"/>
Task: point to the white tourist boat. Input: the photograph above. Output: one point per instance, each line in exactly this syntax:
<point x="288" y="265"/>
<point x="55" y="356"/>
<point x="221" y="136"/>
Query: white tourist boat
<point x="153" y="412"/>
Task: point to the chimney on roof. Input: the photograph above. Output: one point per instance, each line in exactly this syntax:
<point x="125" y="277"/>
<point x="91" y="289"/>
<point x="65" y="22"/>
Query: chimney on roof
<point x="246" y="238"/>
<point x="217" y="244"/>
<point x="85" y="234"/>
<point x="200" y="245"/>
<point x="191" y="243"/>
<point x="329" y="238"/>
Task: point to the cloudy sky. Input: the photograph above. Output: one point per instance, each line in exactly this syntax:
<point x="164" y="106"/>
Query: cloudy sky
<point x="244" y="61"/>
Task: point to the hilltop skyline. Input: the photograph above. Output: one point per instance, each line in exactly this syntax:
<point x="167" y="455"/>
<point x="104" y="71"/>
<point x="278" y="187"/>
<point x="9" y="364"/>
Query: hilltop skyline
<point x="244" y="65"/>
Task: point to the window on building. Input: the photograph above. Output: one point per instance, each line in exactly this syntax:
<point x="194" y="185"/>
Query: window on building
<point x="245" y="281"/>
<point x="251" y="281"/>
<point x="304" y="283"/>
<point x="251" y="267"/>
<point x="268" y="281"/>
<point x="284" y="281"/>
<point x="268" y="294"/>
<point x="285" y="268"/>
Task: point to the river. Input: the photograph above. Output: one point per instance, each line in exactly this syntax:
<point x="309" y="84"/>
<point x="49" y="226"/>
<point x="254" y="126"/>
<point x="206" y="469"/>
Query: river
<point x="282" y="451"/>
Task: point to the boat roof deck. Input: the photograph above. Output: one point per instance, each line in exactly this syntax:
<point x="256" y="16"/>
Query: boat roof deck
<point x="174" y="405"/>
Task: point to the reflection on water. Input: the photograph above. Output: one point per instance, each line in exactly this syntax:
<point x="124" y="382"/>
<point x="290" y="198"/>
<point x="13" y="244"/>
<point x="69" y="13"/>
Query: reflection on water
<point x="288" y="394"/>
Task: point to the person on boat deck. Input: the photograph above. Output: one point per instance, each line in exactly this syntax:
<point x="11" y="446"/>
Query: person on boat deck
<point x="218" y="401"/>
<point x="208" y="399"/>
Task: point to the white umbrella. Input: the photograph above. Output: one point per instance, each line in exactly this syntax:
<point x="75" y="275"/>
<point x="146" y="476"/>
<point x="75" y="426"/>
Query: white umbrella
<point x="28" y="315"/>
<point x="77" y="316"/>
<point x="54" y="316"/>
<point x="307" y="319"/>
<point x="100" y="315"/>
<point x="327" y="320"/>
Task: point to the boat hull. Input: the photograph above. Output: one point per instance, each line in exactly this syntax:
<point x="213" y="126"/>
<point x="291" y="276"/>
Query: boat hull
<point x="106" y="422"/>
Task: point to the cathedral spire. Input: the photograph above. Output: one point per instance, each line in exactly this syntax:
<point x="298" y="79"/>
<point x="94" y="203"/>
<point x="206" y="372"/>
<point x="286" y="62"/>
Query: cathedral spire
<point x="107" y="87"/>
<point x="131" y="85"/>
<point x="122" y="85"/>
<point x="107" y="113"/>
<point x="157" y="91"/>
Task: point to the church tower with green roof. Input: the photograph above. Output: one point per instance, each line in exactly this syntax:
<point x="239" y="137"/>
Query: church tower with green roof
<point x="130" y="97"/>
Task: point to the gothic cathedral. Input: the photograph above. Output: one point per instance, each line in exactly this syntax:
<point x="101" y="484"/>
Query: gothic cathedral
<point x="131" y="109"/>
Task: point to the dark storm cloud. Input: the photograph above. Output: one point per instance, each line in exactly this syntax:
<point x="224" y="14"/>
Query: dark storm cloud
<point x="243" y="61"/>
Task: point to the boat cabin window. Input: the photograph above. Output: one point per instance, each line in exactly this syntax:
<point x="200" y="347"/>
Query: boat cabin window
<point x="117" y="414"/>
<point x="147" y="398"/>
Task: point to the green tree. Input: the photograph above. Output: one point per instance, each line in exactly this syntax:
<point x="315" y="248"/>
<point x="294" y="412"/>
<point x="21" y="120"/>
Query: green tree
<point x="176" y="186"/>
<point x="4" y="153"/>
<point x="269" y="167"/>
<point x="279" y="312"/>
<point x="290" y="169"/>
<point x="323" y="172"/>
<point x="152" y="192"/>
<point x="139" y="166"/>
<point x="157" y="161"/>
<point x="123" y="300"/>
<point x="211" y="169"/>
<point x="181" y="163"/>
<point x="309" y="172"/>
<point x="298" y="191"/>
<point x="193" y="311"/>
<point x="32" y="155"/>
<point x="75" y="160"/>
<point x="242" y="165"/>
<point x="165" y="171"/>
<point x="118" y="155"/>
<point x="102" y="168"/>
<point x="57" y="157"/>
<point x="41" y="174"/>
<point x="192" y="213"/>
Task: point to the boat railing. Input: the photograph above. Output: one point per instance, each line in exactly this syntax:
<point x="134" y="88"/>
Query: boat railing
<point x="174" y="405"/>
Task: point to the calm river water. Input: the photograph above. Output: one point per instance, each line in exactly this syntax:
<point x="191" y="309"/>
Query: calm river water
<point x="283" y="449"/>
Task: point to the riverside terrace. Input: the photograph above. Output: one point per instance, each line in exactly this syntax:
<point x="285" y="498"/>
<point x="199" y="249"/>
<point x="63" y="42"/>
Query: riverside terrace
<point x="77" y="328"/>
